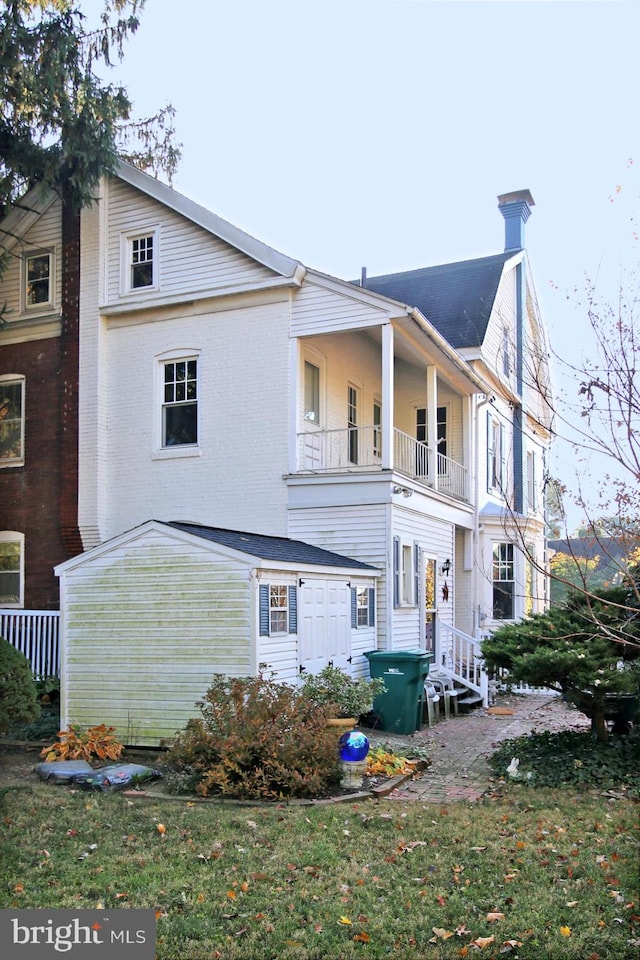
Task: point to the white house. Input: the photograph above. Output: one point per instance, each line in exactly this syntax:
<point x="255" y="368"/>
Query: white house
<point x="224" y="386"/>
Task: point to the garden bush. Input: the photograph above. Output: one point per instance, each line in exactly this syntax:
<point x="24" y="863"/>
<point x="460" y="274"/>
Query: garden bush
<point x="18" y="693"/>
<point x="256" y="738"/>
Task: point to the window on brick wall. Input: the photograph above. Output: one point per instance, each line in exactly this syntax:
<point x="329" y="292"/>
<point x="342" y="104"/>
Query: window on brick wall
<point x="180" y="402"/>
<point x="11" y="421"/>
<point x="11" y="569"/>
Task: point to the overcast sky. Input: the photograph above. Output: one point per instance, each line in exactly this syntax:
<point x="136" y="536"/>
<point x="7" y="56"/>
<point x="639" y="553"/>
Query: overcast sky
<point x="380" y="133"/>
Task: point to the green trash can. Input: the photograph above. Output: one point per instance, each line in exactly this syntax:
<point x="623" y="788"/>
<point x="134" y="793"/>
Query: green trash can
<point x="400" y="707"/>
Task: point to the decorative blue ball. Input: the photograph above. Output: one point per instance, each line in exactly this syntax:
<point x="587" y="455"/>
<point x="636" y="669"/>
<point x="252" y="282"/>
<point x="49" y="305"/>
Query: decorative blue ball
<point x="353" y="746"/>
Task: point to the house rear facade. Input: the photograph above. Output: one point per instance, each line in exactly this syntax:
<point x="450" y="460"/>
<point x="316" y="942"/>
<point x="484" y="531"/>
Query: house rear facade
<point x="226" y="386"/>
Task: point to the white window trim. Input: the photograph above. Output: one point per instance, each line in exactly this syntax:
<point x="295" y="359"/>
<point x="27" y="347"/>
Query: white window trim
<point x="126" y="246"/>
<point x="16" y="461"/>
<point x="161" y="452"/>
<point x="46" y="306"/>
<point x="15" y="537"/>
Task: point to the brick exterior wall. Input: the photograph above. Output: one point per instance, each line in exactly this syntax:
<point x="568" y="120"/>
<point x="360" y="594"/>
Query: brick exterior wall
<point x="29" y="495"/>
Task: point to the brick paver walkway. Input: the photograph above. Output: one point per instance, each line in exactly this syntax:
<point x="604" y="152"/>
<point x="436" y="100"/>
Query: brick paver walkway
<point x="458" y="748"/>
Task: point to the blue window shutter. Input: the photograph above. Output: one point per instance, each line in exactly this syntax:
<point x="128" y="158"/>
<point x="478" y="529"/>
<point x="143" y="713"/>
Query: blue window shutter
<point x="264" y="609"/>
<point x="293" y="610"/>
<point x="396" y="571"/>
<point x="372" y="606"/>
<point x="354" y="608"/>
<point x="489" y="452"/>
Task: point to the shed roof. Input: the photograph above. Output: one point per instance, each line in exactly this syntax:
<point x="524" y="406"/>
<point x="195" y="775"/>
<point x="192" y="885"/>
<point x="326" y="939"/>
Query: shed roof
<point x="280" y="549"/>
<point x="457" y="298"/>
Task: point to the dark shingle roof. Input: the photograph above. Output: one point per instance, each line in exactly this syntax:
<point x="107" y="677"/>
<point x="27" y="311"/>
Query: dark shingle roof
<point x="457" y="298"/>
<point x="271" y="548"/>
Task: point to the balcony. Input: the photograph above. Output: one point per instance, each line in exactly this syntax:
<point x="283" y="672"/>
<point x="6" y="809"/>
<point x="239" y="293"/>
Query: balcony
<point x="359" y="449"/>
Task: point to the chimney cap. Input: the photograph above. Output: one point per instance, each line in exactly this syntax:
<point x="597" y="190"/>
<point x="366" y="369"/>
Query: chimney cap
<point x="515" y="197"/>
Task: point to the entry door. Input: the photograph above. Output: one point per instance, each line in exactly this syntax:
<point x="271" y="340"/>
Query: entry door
<point x="324" y="625"/>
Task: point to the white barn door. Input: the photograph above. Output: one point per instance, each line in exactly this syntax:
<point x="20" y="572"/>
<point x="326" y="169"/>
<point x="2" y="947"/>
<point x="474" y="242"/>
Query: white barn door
<point x="324" y="625"/>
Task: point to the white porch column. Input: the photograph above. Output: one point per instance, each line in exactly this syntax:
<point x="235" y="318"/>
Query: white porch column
<point x="294" y="402"/>
<point x="432" y="421"/>
<point x="387" y="397"/>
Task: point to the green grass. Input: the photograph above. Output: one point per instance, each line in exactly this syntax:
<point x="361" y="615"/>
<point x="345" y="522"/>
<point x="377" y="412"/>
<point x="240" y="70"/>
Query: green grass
<point x="367" y="880"/>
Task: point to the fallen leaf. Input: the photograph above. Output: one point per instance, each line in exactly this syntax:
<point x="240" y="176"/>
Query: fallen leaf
<point x="441" y="933"/>
<point x="571" y="903"/>
<point x="345" y="921"/>
<point x="231" y="894"/>
<point x="362" y="937"/>
<point x="161" y="829"/>
<point x="493" y="917"/>
<point x="565" y="931"/>
<point x="482" y="942"/>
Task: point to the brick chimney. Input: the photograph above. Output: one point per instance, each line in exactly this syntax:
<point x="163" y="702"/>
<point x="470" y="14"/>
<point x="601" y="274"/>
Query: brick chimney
<point x="516" y="209"/>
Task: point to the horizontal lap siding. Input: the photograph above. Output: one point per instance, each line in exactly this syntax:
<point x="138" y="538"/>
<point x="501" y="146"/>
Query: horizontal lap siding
<point x="45" y="234"/>
<point x="358" y="532"/>
<point x="191" y="258"/>
<point x="145" y="632"/>
<point x="317" y="310"/>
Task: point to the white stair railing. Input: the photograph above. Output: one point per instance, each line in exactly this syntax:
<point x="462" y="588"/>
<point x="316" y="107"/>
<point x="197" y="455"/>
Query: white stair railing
<point x="461" y="656"/>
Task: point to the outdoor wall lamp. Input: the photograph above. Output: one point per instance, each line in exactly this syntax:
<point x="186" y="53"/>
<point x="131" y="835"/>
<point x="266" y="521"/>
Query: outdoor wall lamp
<point x="446" y="566"/>
<point x="405" y="491"/>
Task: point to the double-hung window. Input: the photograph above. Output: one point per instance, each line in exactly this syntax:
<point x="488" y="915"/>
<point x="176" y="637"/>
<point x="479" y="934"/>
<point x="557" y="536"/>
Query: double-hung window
<point x="363" y="607"/>
<point x="180" y="403"/>
<point x="11" y="569"/>
<point x="503" y="582"/>
<point x="11" y="421"/>
<point x="38" y="280"/>
<point x="139" y="253"/>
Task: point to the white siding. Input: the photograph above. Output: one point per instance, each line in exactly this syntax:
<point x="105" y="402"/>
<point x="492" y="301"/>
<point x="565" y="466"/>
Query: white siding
<point x="145" y="627"/>
<point x="319" y="310"/>
<point x="45" y="235"/>
<point x="359" y="532"/>
<point x="191" y="259"/>
<point x="503" y="316"/>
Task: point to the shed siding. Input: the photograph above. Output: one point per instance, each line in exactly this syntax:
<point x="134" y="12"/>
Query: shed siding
<point x="191" y="259"/>
<point x="316" y="309"/>
<point x="146" y="626"/>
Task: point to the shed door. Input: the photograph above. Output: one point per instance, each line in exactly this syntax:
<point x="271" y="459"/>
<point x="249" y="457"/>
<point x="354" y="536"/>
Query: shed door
<point x="324" y="625"/>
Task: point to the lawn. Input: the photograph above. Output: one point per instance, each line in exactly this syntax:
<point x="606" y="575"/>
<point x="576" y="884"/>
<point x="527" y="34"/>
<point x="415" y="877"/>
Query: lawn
<point x="529" y="874"/>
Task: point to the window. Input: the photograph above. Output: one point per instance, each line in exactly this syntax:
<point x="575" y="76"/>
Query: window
<point x="530" y="578"/>
<point x="429" y="603"/>
<point x="180" y="403"/>
<point x="363" y="606"/>
<point x="506" y="352"/>
<point x="142" y="262"/>
<point x="377" y="429"/>
<point x="496" y="453"/>
<point x="406" y="560"/>
<point x="352" y="422"/>
<point x="11" y="421"/>
<point x="139" y="260"/>
<point x="278" y="609"/>
<point x="11" y="569"/>
<point x="311" y="392"/>
<point x="503" y="582"/>
<point x="38" y="277"/>
<point x="531" y="481"/>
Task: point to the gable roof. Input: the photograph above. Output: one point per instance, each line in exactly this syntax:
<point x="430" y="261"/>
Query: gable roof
<point x="256" y="249"/>
<point x="280" y="549"/>
<point x="457" y="298"/>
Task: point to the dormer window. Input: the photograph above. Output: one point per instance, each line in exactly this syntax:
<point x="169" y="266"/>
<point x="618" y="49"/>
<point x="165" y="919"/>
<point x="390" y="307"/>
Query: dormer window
<point x="140" y="261"/>
<point x="38" y="280"/>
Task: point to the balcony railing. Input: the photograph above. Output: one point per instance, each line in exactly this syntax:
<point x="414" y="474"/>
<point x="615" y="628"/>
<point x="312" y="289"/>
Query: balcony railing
<point x="360" y="448"/>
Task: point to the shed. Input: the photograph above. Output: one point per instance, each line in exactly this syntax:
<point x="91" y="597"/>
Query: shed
<point x="148" y="617"/>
